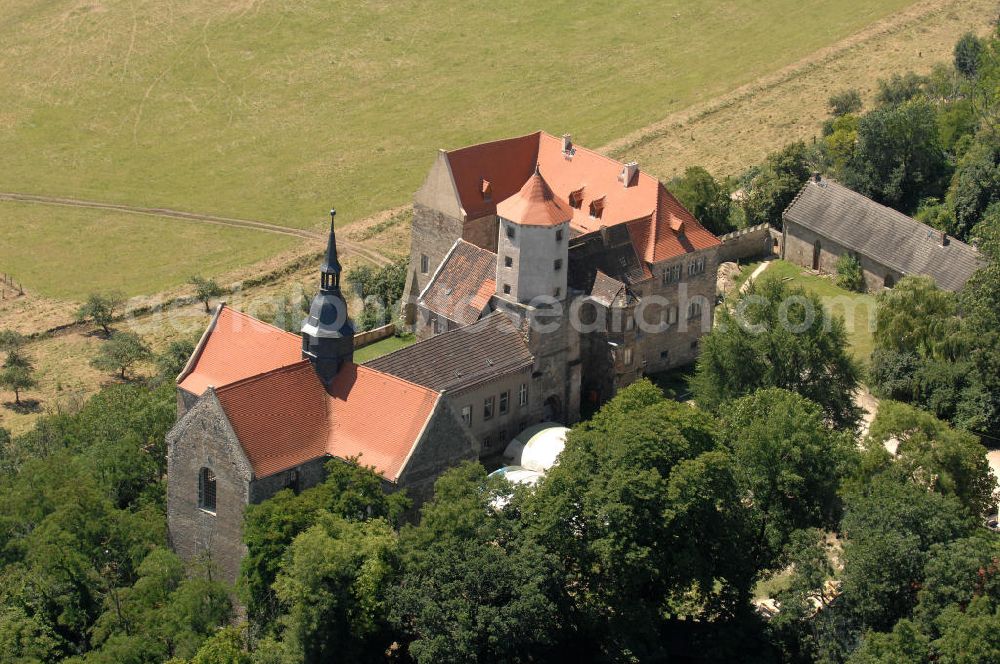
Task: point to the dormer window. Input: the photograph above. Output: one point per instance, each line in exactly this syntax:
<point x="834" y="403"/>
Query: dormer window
<point x="597" y="208"/>
<point x="487" y="190"/>
<point x="576" y="199"/>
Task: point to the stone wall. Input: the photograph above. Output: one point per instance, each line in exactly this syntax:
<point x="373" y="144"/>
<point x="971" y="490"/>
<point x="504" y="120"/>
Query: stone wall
<point x="753" y="242"/>
<point x="362" y="339"/>
<point x="203" y="438"/>
<point x="491" y="436"/>
<point x="800" y="246"/>
<point x="433" y="234"/>
<point x="482" y="232"/>
<point x="444" y="443"/>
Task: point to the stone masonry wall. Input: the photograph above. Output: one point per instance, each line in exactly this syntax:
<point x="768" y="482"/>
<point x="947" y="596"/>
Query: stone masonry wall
<point x="203" y="438"/>
<point x="445" y="443"/>
<point x="754" y="242"/>
<point x="432" y="236"/>
<point x="799" y="244"/>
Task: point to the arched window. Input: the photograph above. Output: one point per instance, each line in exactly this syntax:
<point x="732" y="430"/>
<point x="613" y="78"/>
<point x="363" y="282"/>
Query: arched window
<point x="206" y="490"/>
<point x="694" y="310"/>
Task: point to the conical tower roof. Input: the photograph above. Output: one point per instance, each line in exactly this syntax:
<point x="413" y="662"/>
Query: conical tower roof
<point x="535" y="205"/>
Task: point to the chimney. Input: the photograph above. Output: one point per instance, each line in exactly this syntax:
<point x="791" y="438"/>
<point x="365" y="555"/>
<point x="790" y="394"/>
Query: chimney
<point x="567" y="144"/>
<point x="944" y="238"/>
<point x="816" y="176"/>
<point x="628" y="173"/>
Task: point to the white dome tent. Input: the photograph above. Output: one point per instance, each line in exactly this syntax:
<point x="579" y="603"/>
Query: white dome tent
<point x="531" y="454"/>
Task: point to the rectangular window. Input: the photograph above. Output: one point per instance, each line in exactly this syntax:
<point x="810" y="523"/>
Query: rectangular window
<point x="504" y="402"/>
<point x="672" y="274"/>
<point x="502" y="438"/>
<point x="510" y="231"/>
<point x="557" y="264"/>
<point x="425" y="264"/>
<point x="292" y="481"/>
<point x="488" y="442"/>
<point x="206" y="490"/>
<point x="508" y="261"/>
<point x="664" y="354"/>
<point x="506" y="289"/>
<point x="627" y="356"/>
<point x="522" y="395"/>
<point x="629" y="321"/>
<point x="488" y="408"/>
<point x="696" y="266"/>
<point x="559" y="235"/>
<point x="467" y="415"/>
<point x="694" y="310"/>
<point x="557" y="292"/>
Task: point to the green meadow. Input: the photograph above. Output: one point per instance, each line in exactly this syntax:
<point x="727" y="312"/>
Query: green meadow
<point x="276" y="110"/>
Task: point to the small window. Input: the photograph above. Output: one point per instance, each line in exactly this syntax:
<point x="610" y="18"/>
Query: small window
<point x="504" y="402"/>
<point x="672" y="274"/>
<point x="694" y="345"/>
<point x="522" y="395"/>
<point x="629" y="321"/>
<point x="557" y="264"/>
<point x="488" y="408"/>
<point x="696" y="267"/>
<point x="467" y="415"/>
<point x="425" y="264"/>
<point x="506" y="289"/>
<point x="559" y="235"/>
<point x="487" y="190"/>
<point x="694" y="310"/>
<point x="627" y="357"/>
<point x="440" y="325"/>
<point x="508" y="261"/>
<point x="510" y="231"/>
<point x="502" y="438"/>
<point x="557" y="292"/>
<point x="488" y="442"/>
<point x="664" y="355"/>
<point x="206" y="490"/>
<point x="292" y="481"/>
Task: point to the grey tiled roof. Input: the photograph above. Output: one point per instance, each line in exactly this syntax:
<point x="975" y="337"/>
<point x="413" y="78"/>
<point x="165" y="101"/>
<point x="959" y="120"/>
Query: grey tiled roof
<point x="461" y="358"/>
<point x="463" y="285"/>
<point x="882" y="234"/>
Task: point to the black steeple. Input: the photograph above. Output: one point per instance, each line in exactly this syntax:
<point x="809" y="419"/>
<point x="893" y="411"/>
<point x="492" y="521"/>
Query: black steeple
<point x="327" y="333"/>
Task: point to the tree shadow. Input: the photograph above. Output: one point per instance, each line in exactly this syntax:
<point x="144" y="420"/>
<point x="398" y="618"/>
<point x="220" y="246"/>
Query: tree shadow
<point x="26" y="407"/>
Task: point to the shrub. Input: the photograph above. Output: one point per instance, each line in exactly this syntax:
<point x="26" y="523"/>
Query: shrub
<point x="849" y="274"/>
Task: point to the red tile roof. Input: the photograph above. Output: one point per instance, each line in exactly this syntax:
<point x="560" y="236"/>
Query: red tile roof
<point x="463" y="285"/>
<point x="535" y="205"/>
<point x="285" y="417"/>
<point x="668" y="230"/>
<point x="237" y="346"/>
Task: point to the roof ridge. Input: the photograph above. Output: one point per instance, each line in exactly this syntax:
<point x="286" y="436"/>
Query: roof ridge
<point x="260" y="376"/>
<point x="583" y="148"/>
<point x="537" y="132"/>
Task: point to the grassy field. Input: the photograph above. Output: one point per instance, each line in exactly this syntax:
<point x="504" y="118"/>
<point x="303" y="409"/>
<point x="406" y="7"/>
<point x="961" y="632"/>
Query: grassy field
<point x="65" y="253"/>
<point x="273" y="111"/>
<point x="856" y="308"/>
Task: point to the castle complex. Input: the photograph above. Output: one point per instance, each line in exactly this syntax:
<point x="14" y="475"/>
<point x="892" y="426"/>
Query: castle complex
<point x="543" y="277"/>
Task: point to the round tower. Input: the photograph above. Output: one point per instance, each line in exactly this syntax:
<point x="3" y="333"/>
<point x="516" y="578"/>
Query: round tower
<point x="533" y="247"/>
<point x="327" y="333"/>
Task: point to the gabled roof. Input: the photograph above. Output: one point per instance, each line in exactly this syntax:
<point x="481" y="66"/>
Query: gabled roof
<point x="663" y="228"/>
<point x="463" y="285"/>
<point x="535" y="205"/>
<point x="236" y="346"/>
<point x="609" y="292"/>
<point x="285" y="417"/>
<point x="885" y="235"/>
<point x="461" y="358"/>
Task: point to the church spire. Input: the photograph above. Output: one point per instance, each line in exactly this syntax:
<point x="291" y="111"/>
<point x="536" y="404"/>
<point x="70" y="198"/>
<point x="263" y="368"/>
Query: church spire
<point x="327" y="333"/>
<point x="330" y="270"/>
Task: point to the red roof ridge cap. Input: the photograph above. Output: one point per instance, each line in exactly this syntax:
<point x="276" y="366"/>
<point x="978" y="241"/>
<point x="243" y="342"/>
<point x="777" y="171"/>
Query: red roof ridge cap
<point x="498" y="140"/>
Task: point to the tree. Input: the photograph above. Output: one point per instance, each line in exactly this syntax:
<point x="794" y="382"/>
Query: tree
<point x="332" y="588"/>
<point x="381" y="290"/>
<point x="705" y="198"/>
<point x="975" y="185"/>
<point x="121" y="353"/>
<point x="640" y="513"/>
<point x="899" y="89"/>
<point x="916" y="317"/>
<point x="850" y="276"/>
<point x="205" y="290"/>
<point x="776" y="335"/>
<point x="770" y="188"/>
<point x="789" y="465"/>
<point x="898" y="158"/>
<point x="968" y="50"/>
<point x="171" y="362"/>
<point x="845" y="102"/>
<point x="16" y="376"/>
<point x="934" y="455"/>
<point x="476" y="587"/>
<point x="101" y="309"/>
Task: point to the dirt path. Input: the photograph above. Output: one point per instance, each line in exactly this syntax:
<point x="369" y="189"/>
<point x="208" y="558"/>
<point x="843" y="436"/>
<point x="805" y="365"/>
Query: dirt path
<point x="347" y="246"/>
